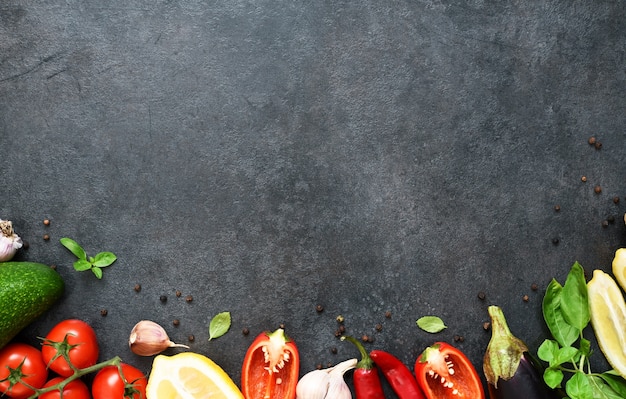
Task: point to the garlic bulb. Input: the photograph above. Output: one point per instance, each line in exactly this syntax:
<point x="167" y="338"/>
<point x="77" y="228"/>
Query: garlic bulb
<point x="148" y="338"/>
<point x="326" y="383"/>
<point x="9" y="241"/>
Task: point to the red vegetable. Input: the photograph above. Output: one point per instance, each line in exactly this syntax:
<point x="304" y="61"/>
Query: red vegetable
<point x="444" y="372"/>
<point x="75" y="389"/>
<point x="365" y="378"/>
<point x="108" y="384"/>
<point x="397" y="374"/>
<point x="76" y="337"/>
<point x="21" y="362"/>
<point x="270" y="367"/>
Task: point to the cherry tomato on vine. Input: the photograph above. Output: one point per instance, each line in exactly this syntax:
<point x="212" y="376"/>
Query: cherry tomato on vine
<point x="76" y="389"/>
<point x="75" y="337"/>
<point x="21" y="362"/>
<point x="108" y="384"/>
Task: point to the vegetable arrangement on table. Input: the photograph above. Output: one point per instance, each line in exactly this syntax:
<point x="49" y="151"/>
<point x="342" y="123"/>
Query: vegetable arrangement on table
<point x="271" y="366"/>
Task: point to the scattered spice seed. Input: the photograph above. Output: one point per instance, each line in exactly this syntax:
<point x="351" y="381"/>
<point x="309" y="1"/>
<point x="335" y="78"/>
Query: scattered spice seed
<point x="176" y="322"/>
<point x="282" y="326"/>
<point x="137" y="287"/>
<point x="583" y="179"/>
<point x="616" y="200"/>
<point x="459" y="338"/>
<point x="46" y="222"/>
<point x="597" y="189"/>
<point x="53" y="267"/>
<point x="555" y="241"/>
<point x="319" y="366"/>
<point x="46" y="237"/>
<point x="379" y="327"/>
<point x="605" y="223"/>
<point x="342" y="329"/>
<point x="340" y="319"/>
<point x="486" y="325"/>
<point x="388" y="314"/>
<point x="104" y="312"/>
<point x="592" y="140"/>
<point x="598" y="145"/>
<point x="319" y="308"/>
<point x="365" y="338"/>
<point x="163" y="298"/>
<point x="245" y="331"/>
<point x="333" y="350"/>
<point x="557" y="208"/>
<point x="337" y="333"/>
<point x="191" y="338"/>
<point x="482" y="295"/>
<point x="534" y="287"/>
<point x="525" y="298"/>
<point x="189" y="298"/>
<point x="178" y="294"/>
<point x="611" y="219"/>
<point x="25" y="245"/>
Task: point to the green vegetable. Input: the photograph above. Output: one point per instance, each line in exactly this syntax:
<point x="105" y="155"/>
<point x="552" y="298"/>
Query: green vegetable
<point x="219" y="325"/>
<point x="95" y="264"/>
<point x="566" y="313"/>
<point x="27" y="290"/>
<point x="431" y="324"/>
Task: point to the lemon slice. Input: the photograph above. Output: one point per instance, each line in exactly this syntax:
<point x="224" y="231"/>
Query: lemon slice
<point x="619" y="267"/>
<point x="608" y="318"/>
<point x="189" y="375"/>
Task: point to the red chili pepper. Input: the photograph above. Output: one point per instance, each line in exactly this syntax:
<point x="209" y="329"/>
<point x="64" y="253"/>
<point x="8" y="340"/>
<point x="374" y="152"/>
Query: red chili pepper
<point x="397" y="374"/>
<point x="444" y="372"/>
<point x="365" y="377"/>
<point x="270" y="367"/>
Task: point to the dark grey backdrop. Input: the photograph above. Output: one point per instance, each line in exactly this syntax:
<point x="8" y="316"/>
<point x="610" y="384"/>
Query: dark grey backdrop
<point x="266" y="157"/>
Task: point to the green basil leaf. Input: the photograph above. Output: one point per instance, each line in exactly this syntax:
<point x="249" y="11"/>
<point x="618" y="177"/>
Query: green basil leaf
<point x="553" y="377"/>
<point x="81" y="265"/>
<point x="74" y="248"/>
<point x="431" y="324"/>
<point x="574" y="298"/>
<point x="219" y="325"/>
<point x="601" y="389"/>
<point x="564" y="333"/>
<point x="547" y="351"/>
<point x="579" y="386"/>
<point x="615" y="381"/>
<point x="566" y="354"/>
<point x="97" y="272"/>
<point x="104" y="259"/>
<point x="585" y="347"/>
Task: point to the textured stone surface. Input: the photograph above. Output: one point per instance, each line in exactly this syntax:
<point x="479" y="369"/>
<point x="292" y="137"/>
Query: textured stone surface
<point x="269" y="157"/>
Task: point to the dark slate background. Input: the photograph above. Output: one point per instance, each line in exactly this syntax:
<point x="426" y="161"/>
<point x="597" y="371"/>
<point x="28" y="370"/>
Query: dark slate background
<point x="267" y="157"/>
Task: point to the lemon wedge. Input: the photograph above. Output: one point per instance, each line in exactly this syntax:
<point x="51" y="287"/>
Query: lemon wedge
<point x="189" y="375"/>
<point x="619" y="267"/>
<point x="608" y="318"/>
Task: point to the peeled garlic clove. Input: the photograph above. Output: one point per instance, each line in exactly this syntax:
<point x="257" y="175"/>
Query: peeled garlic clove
<point x="313" y="385"/>
<point x="148" y="338"/>
<point x="9" y="241"/>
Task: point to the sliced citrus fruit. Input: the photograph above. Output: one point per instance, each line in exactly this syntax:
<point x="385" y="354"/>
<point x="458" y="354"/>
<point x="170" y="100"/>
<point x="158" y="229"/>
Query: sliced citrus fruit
<point x="608" y="318"/>
<point x="189" y="375"/>
<point x="619" y="267"/>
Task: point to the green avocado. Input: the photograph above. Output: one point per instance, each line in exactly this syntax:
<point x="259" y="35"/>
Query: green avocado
<point x="27" y="290"/>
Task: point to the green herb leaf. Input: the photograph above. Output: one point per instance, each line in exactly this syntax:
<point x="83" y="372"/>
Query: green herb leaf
<point x="578" y="387"/>
<point x="563" y="332"/>
<point x="74" y="248"/>
<point x="81" y="265"/>
<point x="553" y="377"/>
<point x="566" y="354"/>
<point x="601" y="389"/>
<point x="548" y="351"/>
<point x="219" y="325"/>
<point x="104" y="259"/>
<point x="97" y="272"/>
<point x="574" y="298"/>
<point x="431" y="324"/>
<point x="615" y="381"/>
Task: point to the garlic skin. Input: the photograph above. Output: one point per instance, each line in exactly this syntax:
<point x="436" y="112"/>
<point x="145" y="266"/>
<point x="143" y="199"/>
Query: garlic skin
<point x="9" y="241"/>
<point x="326" y="383"/>
<point x="148" y="338"/>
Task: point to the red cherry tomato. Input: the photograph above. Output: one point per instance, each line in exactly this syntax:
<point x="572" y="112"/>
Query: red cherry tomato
<point x="108" y="384"/>
<point x="76" y="336"/>
<point x="76" y="389"/>
<point x="21" y="362"/>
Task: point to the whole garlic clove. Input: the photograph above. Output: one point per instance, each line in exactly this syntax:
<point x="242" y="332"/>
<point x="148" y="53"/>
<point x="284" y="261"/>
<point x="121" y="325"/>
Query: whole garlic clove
<point x="148" y="338"/>
<point x="326" y="383"/>
<point x="9" y="241"/>
<point x="337" y="387"/>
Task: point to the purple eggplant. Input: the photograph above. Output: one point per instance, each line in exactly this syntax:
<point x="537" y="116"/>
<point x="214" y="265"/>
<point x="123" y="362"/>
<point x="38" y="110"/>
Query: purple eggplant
<point x="509" y="368"/>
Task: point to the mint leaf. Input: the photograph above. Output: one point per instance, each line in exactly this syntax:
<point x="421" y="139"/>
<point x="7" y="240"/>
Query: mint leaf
<point x="74" y="248"/>
<point x="431" y="324"/>
<point x="219" y="325"/>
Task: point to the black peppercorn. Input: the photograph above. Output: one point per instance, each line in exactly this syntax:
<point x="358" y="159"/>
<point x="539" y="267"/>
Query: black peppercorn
<point x="163" y="298"/>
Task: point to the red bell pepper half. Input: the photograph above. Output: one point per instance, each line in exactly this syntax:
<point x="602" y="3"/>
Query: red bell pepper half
<point x="444" y="372"/>
<point x="270" y="367"/>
